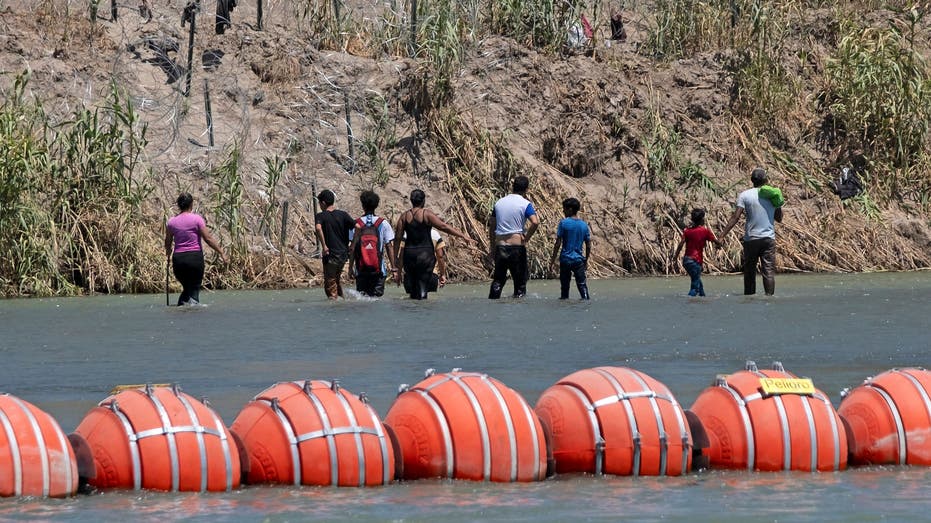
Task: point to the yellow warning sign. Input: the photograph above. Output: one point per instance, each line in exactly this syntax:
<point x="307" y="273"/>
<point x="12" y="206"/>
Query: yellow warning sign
<point x="787" y="386"/>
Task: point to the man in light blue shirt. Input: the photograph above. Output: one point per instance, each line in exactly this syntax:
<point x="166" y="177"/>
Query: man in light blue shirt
<point x="759" y="240"/>
<point x="509" y="238"/>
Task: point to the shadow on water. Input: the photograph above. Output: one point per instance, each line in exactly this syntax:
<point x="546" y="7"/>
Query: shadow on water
<point x="65" y="355"/>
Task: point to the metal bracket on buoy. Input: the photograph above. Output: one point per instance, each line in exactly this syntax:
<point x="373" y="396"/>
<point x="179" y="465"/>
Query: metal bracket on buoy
<point x="364" y="398"/>
<point x="149" y="389"/>
<point x="306" y="387"/>
<point x="274" y="405"/>
<point x="720" y="380"/>
<point x="402" y="388"/>
<point x="429" y="372"/>
<point x="844" y="392"/>
<point x="176" y="389"/>
<point x="777" y="365"/>
<point x="599" y="456"/>
<point x="205" y="401"/>
<point x="334" y="385"/>
<point x="751" y="366"/>
<point x="456" y="369"/>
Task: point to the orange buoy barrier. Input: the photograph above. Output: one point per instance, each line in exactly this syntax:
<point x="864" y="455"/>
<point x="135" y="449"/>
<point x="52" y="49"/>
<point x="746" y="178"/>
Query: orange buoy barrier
<point x="615" y="420"/>
<point x="314" y="433"/>
<point x="35" y="456"/>
<point x="160" y="438"/>
<point x="466" y="425"/>
<point x="888" y="418"/>
<point x="770" y="420"/>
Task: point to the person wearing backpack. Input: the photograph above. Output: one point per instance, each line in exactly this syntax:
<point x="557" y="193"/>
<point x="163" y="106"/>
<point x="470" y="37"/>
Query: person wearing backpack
<point x="372" y="236"/>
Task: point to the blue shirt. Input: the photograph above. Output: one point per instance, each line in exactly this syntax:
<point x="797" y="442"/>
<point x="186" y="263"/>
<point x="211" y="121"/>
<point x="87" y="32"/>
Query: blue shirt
<point x="573" y="232"/>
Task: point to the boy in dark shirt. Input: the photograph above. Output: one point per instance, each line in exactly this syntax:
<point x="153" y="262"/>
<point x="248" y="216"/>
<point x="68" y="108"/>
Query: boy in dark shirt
<point x="332" y="228"/>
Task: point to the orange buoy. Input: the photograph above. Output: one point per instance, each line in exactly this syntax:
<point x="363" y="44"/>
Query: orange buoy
<point x="35" y="456"/>
<point x="615" y="420"/>
<point x="770" y="420"/>
<point x="466" y="425"/>
<point x="160" y="438"/>
<point x="314" y="433"/>
<point x="888" y="418"/>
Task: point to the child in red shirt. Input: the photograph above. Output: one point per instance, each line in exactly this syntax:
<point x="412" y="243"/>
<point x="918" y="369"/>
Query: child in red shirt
<point x="694" y="239"/>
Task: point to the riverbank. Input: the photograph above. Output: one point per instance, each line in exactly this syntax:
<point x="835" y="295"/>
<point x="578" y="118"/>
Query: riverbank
<point x="640" y="130"/>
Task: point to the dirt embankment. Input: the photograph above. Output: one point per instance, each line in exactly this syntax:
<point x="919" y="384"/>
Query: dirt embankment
<point x="588" y="125"/>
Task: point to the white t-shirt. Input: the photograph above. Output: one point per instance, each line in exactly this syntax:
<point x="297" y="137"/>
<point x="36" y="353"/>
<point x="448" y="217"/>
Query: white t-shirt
<point x="511" y="213"/>
<point x="761" y="215"/>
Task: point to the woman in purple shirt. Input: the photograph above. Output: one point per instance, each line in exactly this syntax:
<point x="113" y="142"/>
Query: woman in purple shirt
<point x="186" y="230"/>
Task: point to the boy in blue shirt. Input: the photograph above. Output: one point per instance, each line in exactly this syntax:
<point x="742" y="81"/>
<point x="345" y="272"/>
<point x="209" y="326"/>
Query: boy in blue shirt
<point x="570" y="235"/>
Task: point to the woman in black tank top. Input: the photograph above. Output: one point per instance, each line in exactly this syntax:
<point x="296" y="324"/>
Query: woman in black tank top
<point x="418" y="255"/>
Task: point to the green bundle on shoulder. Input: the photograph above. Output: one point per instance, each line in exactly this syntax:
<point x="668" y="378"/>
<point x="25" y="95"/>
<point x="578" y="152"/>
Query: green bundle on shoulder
<point x="772" y="194"/>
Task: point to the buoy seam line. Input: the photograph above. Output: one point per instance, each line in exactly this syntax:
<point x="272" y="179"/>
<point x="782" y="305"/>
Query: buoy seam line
<point x="225" y="445"/>
<point x="288" y="427"/>
<point x="899" y="424"/>
<point x="536" y="436"/>
<point x="66" y="450"/>
<point x="921" y="391"/>
<point x="383" y="444"/>
<point x="509" y="423"/>
<point x="482" y="424"/>
<point x="360" y="450"/>
<point x="444" y="428"/>
<point x="40" y="441"/>
<point x="631" y="418"/>
<point x="172" y="444"/>
<point x="133" y="444"/>
<point x="331" y="441"/>
<point x="748" y="427"/>
<point x="14" y="450"/>
<point x="201" y="446"/>
<point x="596" y="427"/>
<point x="812" y="434"/>
<point x="176" y="429"/>
<point x="660" y="423"/>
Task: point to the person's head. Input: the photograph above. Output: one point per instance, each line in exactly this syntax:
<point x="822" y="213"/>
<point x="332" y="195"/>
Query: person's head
<point x="418" y="198"/>
<point x="698" y="217"/>
<point x="570" y="207"/>
<point x="520" y="185"/>
<point x="369" y="201"/>
<point x="758" y="176"/>
<point x="185" y="201"/>
<point x="326" y="198"/>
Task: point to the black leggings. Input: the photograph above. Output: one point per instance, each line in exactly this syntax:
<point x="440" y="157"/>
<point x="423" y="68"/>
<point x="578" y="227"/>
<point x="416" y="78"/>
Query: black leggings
<point x="418" y="267"/>
<point x="189" y="270"/>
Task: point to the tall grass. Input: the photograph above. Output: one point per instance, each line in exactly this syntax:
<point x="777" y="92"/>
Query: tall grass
<point x="70" y="199"/>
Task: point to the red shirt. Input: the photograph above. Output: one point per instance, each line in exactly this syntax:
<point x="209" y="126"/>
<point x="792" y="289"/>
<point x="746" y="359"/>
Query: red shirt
<point x="695" y="239"/>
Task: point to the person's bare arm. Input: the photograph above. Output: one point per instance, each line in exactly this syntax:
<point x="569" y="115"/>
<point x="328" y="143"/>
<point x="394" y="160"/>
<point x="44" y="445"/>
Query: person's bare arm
<point x="588" y="249"/>
<point x="738" y="212"/>
<point x="440" y="251"/>
<point x="556" y="245"/>
<point x="534" y="224"/>
<point x="778" y="214"/>
<point x="398" y="235"/>
<point x="436" y="222"/>
<point x="318" y="230"/>
<point x="168" y="242"/>
<point x="213" y="243"/>
<point x="352" y="251"/>
<point x="678" y="249"/>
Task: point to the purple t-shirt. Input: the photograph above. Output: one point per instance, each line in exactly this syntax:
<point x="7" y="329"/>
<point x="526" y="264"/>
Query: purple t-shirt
<point x="185" y="229"/>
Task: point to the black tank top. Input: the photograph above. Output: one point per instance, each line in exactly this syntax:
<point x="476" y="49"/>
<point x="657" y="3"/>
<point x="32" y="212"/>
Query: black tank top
<point x="418" y="232"/>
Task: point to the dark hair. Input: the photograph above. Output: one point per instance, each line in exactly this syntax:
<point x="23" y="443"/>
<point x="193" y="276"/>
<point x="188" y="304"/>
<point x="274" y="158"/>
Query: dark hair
<point x="369" y="201"/>
<point x="185" y="201"/>
<point x="418" y="197"/>
<point x="758" y="176"/>
<point x="326" y="197"/>
<point x="698" y="216"/>
<point x="520" y="185"/>
<point x="571" y="205"/>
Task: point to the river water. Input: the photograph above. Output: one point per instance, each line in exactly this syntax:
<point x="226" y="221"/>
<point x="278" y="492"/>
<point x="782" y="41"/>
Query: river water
<point x="64" y="355"/>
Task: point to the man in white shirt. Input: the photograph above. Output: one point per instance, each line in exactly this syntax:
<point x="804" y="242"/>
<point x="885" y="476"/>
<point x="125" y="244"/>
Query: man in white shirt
<point x="509" y="235"/>
<point x="759" y="240"/>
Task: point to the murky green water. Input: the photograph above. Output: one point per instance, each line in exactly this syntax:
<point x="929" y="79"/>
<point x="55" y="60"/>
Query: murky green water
<point x="65" y="355"/>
